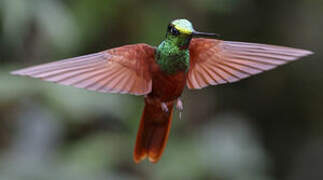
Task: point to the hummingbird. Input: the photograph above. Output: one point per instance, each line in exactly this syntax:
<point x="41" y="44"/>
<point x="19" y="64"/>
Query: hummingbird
<point x="185" y="57"/>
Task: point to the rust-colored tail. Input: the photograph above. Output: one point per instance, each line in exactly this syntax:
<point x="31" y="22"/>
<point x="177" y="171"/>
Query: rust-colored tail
<point x="153" y="132"/>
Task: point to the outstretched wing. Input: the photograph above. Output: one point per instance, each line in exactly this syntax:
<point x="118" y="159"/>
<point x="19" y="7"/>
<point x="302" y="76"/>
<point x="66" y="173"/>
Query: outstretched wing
<point x="124" y="69"/>
<point x="216" y="62"/>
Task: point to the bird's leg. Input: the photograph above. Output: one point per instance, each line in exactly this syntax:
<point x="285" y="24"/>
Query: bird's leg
<point x="179" y="107"/>
<point x="164" y="107"/>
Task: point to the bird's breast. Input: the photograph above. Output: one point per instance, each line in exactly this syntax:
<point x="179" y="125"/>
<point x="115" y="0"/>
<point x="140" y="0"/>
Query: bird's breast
<point x="168" y="87"/>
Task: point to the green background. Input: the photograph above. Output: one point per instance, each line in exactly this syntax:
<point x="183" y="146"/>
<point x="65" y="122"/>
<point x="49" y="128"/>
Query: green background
<point x="269" y="126"/>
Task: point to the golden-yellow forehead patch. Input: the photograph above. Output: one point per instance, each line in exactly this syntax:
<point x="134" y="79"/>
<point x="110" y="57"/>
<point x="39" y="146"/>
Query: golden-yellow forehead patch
<point x="183" y="25"/>
<point x="183" y="30"/>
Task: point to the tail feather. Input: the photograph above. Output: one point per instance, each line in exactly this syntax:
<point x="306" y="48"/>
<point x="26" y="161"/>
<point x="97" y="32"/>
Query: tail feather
<point x="153" y="132"/>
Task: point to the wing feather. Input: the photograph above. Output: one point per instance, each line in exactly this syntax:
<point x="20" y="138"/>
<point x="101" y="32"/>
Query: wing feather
<point x="203" y="78"/>
<point x="124" y="69"/>
<point x="213" y="77"/>
<point x="193" y="79"/>
<point x="216" y="62"/>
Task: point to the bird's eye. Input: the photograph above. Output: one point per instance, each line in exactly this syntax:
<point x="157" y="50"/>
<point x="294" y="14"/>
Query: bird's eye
<point x="174" y="31"/>
<point x="169" y="28"/>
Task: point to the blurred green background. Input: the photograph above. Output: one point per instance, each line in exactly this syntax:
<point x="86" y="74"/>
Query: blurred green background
<point x="269" y="126"/>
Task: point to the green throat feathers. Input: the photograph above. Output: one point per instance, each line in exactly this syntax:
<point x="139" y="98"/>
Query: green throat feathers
<point x="172" y="55"/>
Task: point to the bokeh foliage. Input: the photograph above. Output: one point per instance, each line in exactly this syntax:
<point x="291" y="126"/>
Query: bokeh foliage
<point x="265" y="127"/>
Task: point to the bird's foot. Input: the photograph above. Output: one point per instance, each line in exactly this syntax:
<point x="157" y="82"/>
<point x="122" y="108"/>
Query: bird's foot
<point x="164" y="107"/>
<point x="179" y="107"/>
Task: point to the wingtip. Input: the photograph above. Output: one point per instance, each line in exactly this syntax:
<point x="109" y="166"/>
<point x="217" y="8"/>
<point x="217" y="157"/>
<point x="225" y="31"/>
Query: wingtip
<point x="16" y="72"/>
<point x="310" y="52"/>
<point x="20" y="72"/>
<point x="305" y="52"/>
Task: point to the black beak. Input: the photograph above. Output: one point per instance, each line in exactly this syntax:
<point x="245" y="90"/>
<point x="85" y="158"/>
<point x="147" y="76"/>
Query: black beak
<point x="205" y="34"/>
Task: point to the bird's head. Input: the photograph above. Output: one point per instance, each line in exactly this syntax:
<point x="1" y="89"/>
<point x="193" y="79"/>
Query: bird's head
<point x="181" y="31"/>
